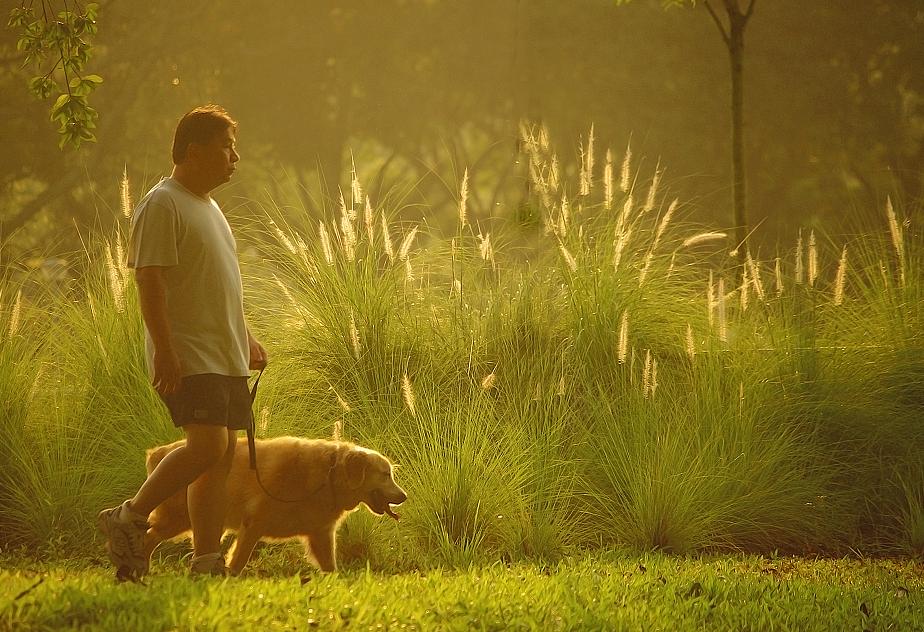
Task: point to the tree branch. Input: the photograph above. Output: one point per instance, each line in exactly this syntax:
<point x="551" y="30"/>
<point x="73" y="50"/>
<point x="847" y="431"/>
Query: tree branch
<point x="750" y="10"/>
<point x="718" y="23"/>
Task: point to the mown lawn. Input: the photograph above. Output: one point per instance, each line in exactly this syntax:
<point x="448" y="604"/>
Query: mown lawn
<point x="605" y="591"/>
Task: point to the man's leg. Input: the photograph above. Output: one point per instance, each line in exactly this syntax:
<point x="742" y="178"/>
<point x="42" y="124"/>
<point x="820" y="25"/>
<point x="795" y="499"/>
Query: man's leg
<point x="125" y="526"/>
<point x="207" y="499"/>
<point x="206" y="445"/>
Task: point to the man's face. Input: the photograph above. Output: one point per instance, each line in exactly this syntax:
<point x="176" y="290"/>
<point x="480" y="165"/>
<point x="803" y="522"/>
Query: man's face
<point x="215" y="160"/>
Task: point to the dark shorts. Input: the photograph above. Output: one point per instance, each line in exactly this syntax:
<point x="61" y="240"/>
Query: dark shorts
<point x="212" y="399"/>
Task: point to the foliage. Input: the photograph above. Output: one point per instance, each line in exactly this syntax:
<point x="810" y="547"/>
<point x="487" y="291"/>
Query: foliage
<point x="63" y="37"/>
<point x="616" y="383"/>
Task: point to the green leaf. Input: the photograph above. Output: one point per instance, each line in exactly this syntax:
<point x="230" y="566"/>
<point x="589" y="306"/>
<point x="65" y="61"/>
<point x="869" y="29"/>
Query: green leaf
<point x="93" y="78"/>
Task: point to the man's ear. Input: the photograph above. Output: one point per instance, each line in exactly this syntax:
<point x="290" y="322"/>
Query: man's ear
<point x="355" y="466"/>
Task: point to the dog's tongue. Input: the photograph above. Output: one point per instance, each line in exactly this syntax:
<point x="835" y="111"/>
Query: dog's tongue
<point x="392" y="513"/>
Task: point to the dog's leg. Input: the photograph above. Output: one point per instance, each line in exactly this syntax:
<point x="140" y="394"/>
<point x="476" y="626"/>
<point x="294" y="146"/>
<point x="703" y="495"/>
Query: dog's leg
<point x="244" y="543"/>
<point x="324" y="549"/>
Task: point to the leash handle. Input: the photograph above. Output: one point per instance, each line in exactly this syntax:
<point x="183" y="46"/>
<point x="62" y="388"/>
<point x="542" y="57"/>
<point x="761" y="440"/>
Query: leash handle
<point x="251" y="427"/>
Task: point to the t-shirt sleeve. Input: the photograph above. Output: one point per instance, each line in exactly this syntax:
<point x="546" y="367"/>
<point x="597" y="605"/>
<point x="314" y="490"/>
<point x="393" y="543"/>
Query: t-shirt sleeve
<point x="154" y="234"/>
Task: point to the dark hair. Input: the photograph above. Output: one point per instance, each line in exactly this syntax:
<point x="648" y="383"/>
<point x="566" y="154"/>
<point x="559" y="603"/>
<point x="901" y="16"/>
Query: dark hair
<point x="200" y="125"/>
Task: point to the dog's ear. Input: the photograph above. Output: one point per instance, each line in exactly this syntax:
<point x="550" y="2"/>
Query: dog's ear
<point x="355" y="466"/>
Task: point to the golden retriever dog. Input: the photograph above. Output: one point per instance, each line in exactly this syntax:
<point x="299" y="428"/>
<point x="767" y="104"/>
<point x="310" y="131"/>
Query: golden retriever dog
<point x="313" y="485"/>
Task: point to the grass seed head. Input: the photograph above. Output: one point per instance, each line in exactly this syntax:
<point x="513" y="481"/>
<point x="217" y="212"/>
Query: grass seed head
<point x="625" y="171"/>
<point x="15" y="315"/>
<point x="840" y="278"/>
<point x="608" y="181"/>
<point x="406" y="244"/>
<point x="623" y="348"/>
<point x="703" y="238"/>
<point x="125" y="199"/>
<point x="691" y="344"/>
<point x="325" y="244"/>
<point x="812" y="260"/>
<point x="386" y="240"/>
<point x="800" y="266"/>
<point x="463" y="201"/>
<point x="407" y="391"/>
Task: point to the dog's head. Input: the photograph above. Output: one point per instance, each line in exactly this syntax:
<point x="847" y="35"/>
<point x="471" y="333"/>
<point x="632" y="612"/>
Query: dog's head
<point x="369" y="475"/>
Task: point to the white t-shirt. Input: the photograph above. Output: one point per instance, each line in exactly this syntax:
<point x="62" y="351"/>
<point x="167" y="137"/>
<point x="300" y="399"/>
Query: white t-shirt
<point x="190" y="236"/>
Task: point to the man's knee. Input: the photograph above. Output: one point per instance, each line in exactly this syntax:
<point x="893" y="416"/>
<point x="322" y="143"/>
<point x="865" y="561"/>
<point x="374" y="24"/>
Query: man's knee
<point x="208" y="445"/>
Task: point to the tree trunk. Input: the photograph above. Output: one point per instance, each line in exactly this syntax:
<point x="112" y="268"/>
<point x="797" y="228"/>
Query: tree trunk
<point x="736" y="57"/>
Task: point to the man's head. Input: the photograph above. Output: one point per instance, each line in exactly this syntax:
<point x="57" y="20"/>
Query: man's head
<point x="204" y="144"/>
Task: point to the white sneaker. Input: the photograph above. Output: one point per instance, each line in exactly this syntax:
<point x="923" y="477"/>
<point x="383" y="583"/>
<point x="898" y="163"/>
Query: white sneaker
<point x="124" y="531"/>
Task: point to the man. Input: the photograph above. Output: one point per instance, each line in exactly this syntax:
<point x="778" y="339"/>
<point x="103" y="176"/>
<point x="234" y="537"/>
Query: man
<point x="199" y="349"/>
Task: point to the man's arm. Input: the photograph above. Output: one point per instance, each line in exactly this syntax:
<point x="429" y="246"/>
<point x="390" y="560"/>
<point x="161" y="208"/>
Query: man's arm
<point x="153" y="298"/>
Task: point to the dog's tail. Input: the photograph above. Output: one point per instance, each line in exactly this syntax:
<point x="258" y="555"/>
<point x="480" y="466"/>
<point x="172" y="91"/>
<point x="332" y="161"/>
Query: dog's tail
<point x="156" y="455"/>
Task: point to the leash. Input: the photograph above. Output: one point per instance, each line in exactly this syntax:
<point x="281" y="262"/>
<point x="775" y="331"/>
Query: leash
<point x="252" y="449"/>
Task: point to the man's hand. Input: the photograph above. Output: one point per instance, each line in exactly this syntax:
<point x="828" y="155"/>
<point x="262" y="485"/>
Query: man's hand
<point x="258" y="356"/>
<point x="167" y="372"/>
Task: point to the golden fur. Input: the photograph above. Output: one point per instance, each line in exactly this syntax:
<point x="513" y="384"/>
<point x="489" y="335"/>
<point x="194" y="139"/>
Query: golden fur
<point x="326" y="479"/>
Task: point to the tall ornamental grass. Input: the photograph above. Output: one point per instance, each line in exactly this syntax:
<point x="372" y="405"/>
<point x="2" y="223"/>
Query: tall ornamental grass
<point x="603" y="373"/>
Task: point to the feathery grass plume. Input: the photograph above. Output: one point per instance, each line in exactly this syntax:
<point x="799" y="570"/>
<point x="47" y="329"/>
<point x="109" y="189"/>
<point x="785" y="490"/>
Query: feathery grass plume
<point x="15" y="315"/>
<point x="543" y="137"/>
<point x="409" y="270"/>
<point x="463" y="201"/>
<point x="895" y="230"/>
<point x="755" y="276"/>
<point x="286" y="292"/>
<point x="561" y="385"/>
<point x="608" y="181"/>
<point x="488" y="382"/>
<point x="800" y="266"/>
<point x="283" y="238"/>
<point x="720" y="312"/>
<point x="407" y="391"/>
<point x="644" y="273"/>
<point x="369" y="220"/>
<point x="691" y="344"/>
<point x="486" y="249"/>
<point x="623" y="220"/>
<point x="354" y="336"/>
<point x="646" y="374"/>
<point x="355" y="186"/>
<point x="587" y="166"/>
<point x="120" y="260"/>
<point x="619" y="244"/>
<point x="386" y="239"/>
<point x="337" y="433"/>
<point x="654" y="377"/>
<point x="840" y="278"/>
<point x="564" y="217"/>
<point x="348" y="234"/>
<point x="569" y="258"/>
<point x="745" y="282"/>
<point x="702" y="238"/>
<point x="710" y="300"/>
<point x="125" y="199"/>
<point x="632" y="366"/>
<point x="812" y="260"/>
<point x="326" y="247"/>
<point x="623" y="348"/>
<point x="554" y="177"/>
<point x="626" y="165"/>
<point x="583" y="186"/>
<point x="778" y="274"/>
<point x="116" y="286"/>
<point x="264" y="419"/>
<point x="456" y="289"/>
<point x="652" y="192"/>
<point x="663" y="224"/>
<point x="406" y="244"/>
